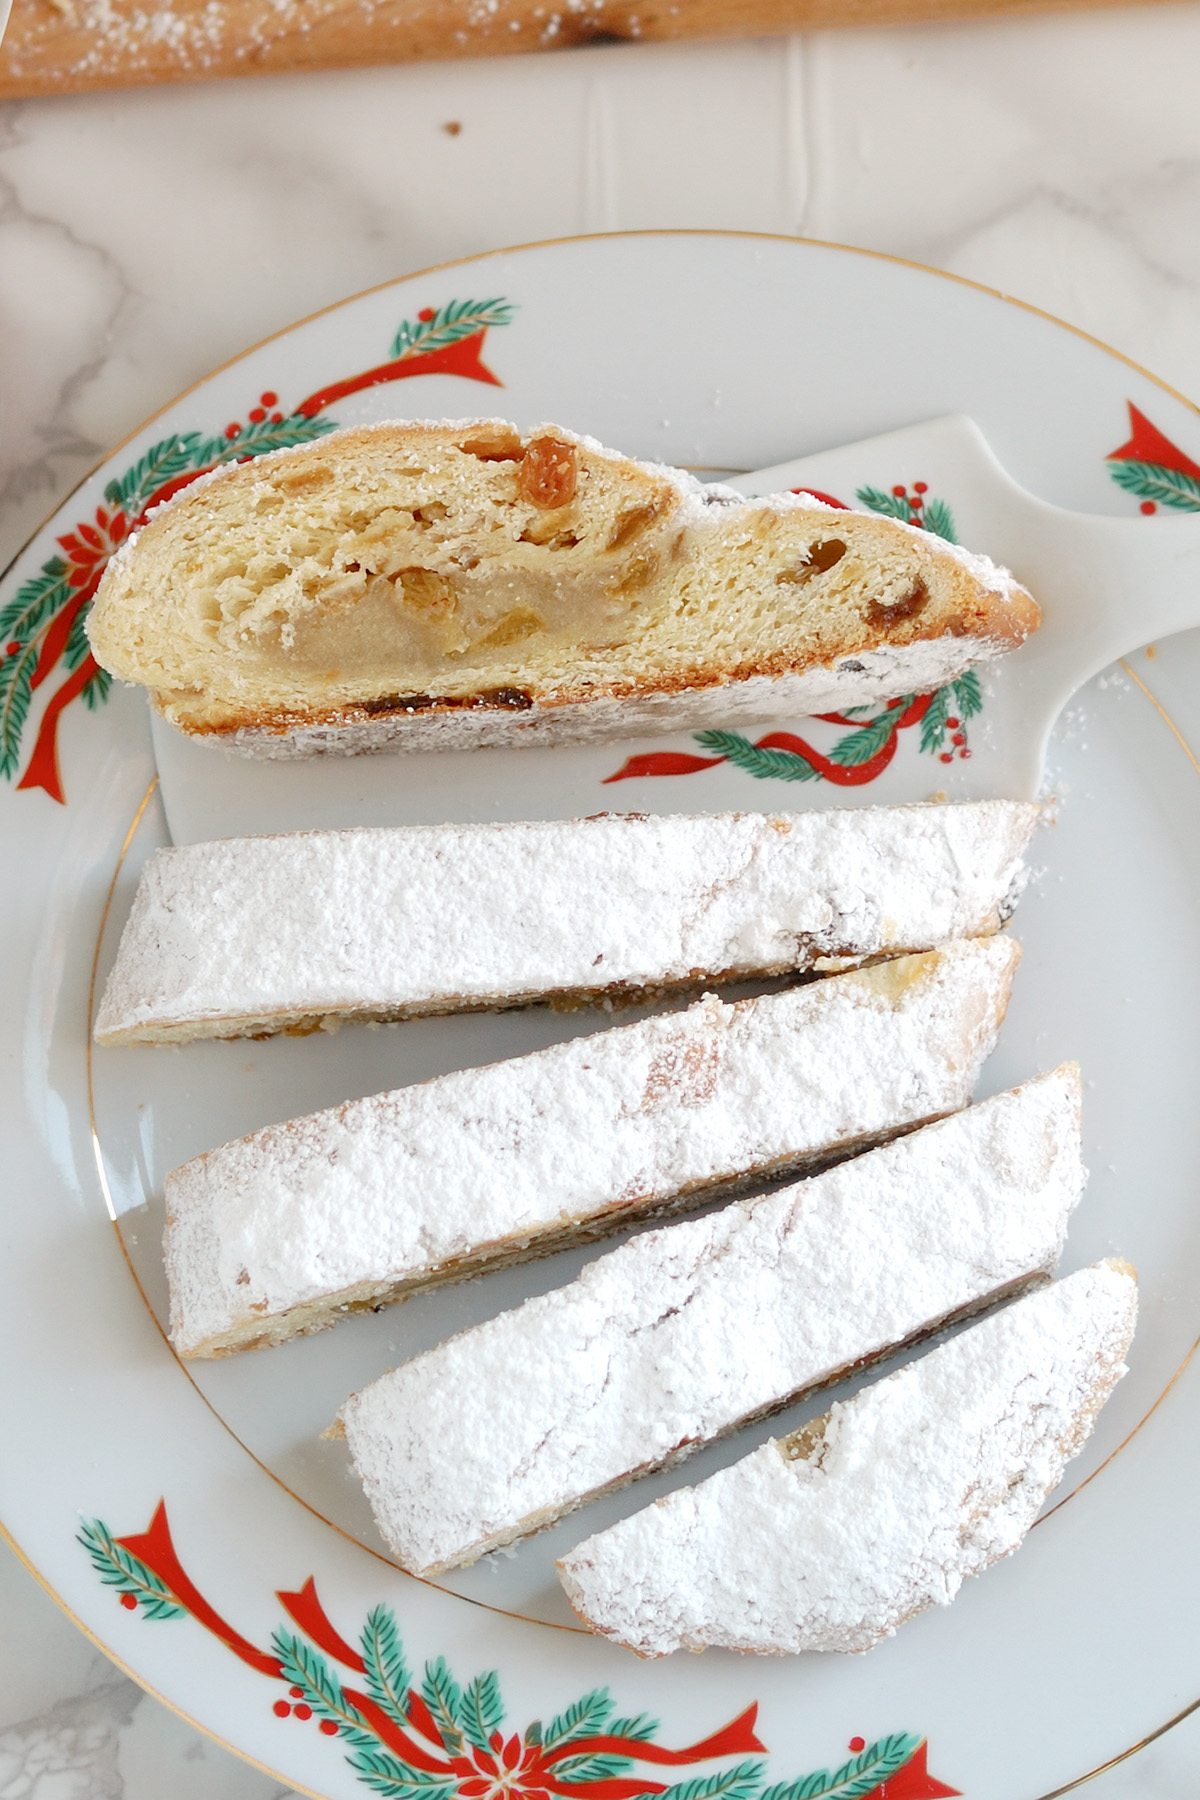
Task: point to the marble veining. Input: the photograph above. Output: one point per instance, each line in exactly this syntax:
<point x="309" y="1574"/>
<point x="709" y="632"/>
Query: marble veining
<point x="147" y="236"/>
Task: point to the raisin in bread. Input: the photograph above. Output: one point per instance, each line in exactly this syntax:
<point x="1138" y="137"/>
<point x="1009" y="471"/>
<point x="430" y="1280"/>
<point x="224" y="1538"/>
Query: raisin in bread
<point x="430" y="586"/>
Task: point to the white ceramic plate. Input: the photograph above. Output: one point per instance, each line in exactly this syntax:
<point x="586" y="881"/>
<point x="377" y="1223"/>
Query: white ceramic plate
<point x="204" y="1498"/>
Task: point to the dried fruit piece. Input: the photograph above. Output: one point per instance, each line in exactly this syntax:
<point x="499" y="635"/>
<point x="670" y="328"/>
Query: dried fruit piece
<point x="820" y="559"/>
<point x="907" y="607"/>
<point x="630" y="523"/>
<point x="549" y="473"/>
<point x="494" y="446"/>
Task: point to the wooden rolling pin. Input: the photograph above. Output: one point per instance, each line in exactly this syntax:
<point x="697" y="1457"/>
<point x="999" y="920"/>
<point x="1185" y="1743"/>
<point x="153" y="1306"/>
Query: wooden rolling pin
<point x="67" y="46"/>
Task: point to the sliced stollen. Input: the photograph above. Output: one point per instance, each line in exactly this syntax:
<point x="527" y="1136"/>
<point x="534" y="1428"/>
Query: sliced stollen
<point x="288" y="1229"/>
<point x="425" y="586"/>
<point x="253" y="935"/>
<point x="831" y="1538"/>
<point x="689" y="1331"/>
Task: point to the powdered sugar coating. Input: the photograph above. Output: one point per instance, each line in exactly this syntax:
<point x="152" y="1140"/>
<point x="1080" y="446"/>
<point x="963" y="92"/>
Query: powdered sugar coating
<point x="256" y="934"/>
<point x="688" y="1331"/>
<point x="273" y="1233"/>
<point x="923" y="1478"/>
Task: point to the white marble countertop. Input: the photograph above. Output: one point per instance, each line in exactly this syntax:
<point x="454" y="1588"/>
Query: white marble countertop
<point x="147" y="236"/>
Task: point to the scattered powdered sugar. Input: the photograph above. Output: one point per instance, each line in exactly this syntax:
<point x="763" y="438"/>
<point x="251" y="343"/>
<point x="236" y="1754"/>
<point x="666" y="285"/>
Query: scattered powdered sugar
<point x="389" y="1190"/>
<point x="688" y="1331"/>
<point x="923" y="1478"/>
<point x="250" y="934"/>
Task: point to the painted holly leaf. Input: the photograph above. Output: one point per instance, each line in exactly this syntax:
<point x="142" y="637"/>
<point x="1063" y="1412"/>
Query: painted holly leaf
<point x="856" y="1778"/>
<point x="779" y="765"/>
<point x="117" y="1568"/>
<point x="448" y="325"/>
<point x="1155" y="481"/>
<point x="386" y="1670"/>
<point x="307" y="1669"/>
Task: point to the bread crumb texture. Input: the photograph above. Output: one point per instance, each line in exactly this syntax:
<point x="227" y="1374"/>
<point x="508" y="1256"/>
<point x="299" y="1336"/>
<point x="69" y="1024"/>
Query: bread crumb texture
<point x="348" y="594"/>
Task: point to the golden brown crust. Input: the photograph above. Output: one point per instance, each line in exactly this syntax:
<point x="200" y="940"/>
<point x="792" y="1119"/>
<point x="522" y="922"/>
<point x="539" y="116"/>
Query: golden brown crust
<point x="401" y="574"/>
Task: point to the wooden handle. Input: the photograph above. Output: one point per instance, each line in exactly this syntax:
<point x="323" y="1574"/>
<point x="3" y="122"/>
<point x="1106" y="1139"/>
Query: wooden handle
<point x="68" y="46"/>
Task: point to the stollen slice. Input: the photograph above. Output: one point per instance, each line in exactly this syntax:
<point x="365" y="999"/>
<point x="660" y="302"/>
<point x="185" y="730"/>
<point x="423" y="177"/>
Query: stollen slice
<point x="289" y="1229"/>
<point x="247" y="936"/>
<point x="831" y="1538"/>
<point x="433" y="586"/>
<point x="691" y="1330"/>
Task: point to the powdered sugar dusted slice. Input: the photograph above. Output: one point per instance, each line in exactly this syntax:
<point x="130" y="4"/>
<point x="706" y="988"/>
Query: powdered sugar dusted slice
<point x="831" y="1538"/>
<point x="256" y="935"/>
<point x="689" y="1331"/>
<point x="286" y="1230"/>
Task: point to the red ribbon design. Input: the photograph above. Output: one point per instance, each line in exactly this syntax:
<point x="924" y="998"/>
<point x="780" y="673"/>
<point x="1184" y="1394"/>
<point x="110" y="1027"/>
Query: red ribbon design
<point x="672" y="762"/>
<point x="1147" y="444"/>
<point x="461" y="358"/>
<point x="474" y="1771"/>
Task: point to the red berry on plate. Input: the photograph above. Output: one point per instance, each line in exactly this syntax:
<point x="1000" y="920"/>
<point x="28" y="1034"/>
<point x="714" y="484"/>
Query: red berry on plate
<point x="256" y="415"/>
<point x="964" y="754"/>
<point x="277" y="418"/>
<point x="129" y="1601"/>
<point x="947" y="756"/>
<point x="960" y="737"/>
<point x="281" y="1709"/>
<point x="857" y="1744"/>
<point x="297" y="1693"/>
<point x="269" y="399"/>
<point x="899" y="492"/>
<point x="1148" y="506"/>
<point x="232" y="431"/>
<point x="329" y="1727"/>
<point x="426" y="313"/>
<point x="12" y="649"/>
<point x="304" y="1712"/>
<point x="952" y="724"/>
<point x="920" y="487"/>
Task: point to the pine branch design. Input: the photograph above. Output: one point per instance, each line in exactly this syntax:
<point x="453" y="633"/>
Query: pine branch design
<point x="448" y="325"/>
<point x="591" y="1768"/>
<point x="892" y="506"/>
<point x="856" y="1778"/>
<point x="779" y="765"/>
<point x="387" y="1775"/>
<point x="16" y="691"/>
<point x="933" y="725"/>
<point x="585" y="1718"/>
<point x="307" y="1669"/>
<point x="968" y="694"/>
<point x="939" y="520"/>
<point x="742" y="1782"/>
<point x="387" y="1671"/>
<point x="1154" y="481"/>
<point x="860" y="746"/>
<point x="482" y="1710"/>
<point x="641" y="1728"/>
<point x="117" y="1568"/>
<point x="95" y="690"/>
<point x="443" y="1697"/>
